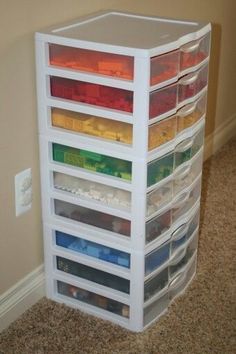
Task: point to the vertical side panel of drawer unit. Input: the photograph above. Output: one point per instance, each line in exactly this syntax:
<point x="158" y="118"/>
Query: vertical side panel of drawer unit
<point x="139" y="177"/>
<point x="45" y="176"/>
<point x="41" y="52"/>
<point x="48" y="261"/>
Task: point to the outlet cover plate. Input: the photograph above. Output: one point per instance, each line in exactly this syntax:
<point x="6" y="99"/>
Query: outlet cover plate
<point x="23" y="191"/>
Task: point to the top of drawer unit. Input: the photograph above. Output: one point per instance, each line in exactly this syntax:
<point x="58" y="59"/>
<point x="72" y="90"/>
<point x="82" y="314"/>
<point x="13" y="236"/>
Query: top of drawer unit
<point x="109" y="29"/>
<point x="107" y="44"/>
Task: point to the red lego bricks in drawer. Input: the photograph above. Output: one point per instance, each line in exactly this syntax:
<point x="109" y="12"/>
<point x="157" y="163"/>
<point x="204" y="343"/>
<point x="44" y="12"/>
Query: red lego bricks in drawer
<point x="93" y="94"/>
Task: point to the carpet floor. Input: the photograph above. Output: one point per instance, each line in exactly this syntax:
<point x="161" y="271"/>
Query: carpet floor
<point x="201" y="321"/>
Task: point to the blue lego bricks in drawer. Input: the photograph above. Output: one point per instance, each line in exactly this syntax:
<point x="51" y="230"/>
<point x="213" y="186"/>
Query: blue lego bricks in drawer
<point x="156" y="258"/>
<point x="93" y="249"/>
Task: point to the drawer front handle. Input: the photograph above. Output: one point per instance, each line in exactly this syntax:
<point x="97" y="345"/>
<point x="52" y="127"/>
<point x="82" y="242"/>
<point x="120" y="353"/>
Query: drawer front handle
<point x="177" y="281"/>
<point x="180" y="232"/>
<point x="190" y="47"/>
<point x="183" y="172"/>
<point x="178" y="256"/>
<point x="186" y="110"/>
<point x="181" y="199"/>
<point x="189" y="79"/>
<point x="185" y="145"/>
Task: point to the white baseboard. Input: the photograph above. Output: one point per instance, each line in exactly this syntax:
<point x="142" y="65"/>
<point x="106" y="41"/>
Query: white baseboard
<point x="15" y="301"/>
<point x="220" y="136"/>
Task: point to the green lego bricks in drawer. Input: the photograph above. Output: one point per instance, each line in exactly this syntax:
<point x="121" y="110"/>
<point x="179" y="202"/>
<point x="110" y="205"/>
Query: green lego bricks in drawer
<point x="183" y="154"/>
<point x="159" y="169"/>
<point x="181" y="157"/>
<point x="91" y="155"/>
<point x="68" y="155"/>
<point x="92" y="161"/>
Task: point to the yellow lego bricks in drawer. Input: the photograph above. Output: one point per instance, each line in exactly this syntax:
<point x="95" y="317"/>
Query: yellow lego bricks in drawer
<point x="95" y="126"/>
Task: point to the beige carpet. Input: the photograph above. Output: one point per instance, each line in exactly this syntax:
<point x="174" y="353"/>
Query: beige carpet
<point x="202" y="321"/>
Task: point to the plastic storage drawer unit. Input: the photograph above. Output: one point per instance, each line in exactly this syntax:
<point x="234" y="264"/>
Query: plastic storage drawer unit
<point x="121" y="131"/>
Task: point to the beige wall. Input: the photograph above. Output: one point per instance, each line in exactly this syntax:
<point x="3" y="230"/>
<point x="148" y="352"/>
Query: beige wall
<point x="21" y="238"/>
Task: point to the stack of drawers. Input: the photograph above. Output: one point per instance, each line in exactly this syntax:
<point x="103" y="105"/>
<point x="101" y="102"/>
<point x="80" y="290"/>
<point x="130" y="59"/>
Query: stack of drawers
<point x="121" y="107"/>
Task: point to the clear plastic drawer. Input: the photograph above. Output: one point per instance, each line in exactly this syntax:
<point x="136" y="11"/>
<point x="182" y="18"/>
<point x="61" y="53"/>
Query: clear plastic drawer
<point x="164" y="67"/>
<point x="116" y="65"/>
<point x="93" y="299"/>
<point x="169" y="65"/>
<point x="186" y="175"/>
<point x="157" y="258"/>
<point x="159" y="197"/>
<point x="164" y="166"/>
<point x="181" y="280"/>
<point x="191" y="113"/>
<point x="163" y="100"/>
<point x="182" y="257"/>
<point x="155" y="309"/>
<point x="167" y="129"/>
<point x="155" y="284"/>
<point x="97" y="192"/>
<point x="160" y="168"/>
<point x="161" y="132"/>
<point x="169" y="97"/>
<point x="191" y="84"/>
<point x="158" y="225"/>
<point x="184" y="232"/>
<point x="92" y="274"/>
<point x="193" y="53"/>
<point x="182" y="179"/>
<point x="93" y="94"/>
<point x="92" y="217"/>
<point x="92" y="161"/>
<point x="185" y="150"/>
<point x="92" y="125"/>
<point x="186" y="201"/>
<point x="92" y="249"/>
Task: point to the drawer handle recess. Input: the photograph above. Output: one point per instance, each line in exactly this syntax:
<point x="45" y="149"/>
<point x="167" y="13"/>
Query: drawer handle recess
<point x="190" y="47"/>
<point x="189" y="79"/>
<point x="181" y="199"/>
<point x="178" y="256"/>
<point x="185" y="145"/>
<point x="183" y="173"/>
<point x="180" y="232"/>
<point x="177" y="281"/>
<point x="186" y="110"/>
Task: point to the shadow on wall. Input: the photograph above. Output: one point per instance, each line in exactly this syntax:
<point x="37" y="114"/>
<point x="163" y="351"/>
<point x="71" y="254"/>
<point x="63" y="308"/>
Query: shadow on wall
<point x="213" y="81"/>
<point x="211" y="107"/>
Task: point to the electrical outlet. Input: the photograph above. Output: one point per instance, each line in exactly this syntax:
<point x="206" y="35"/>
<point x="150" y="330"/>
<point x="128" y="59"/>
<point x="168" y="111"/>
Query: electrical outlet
<point x="23" y="191"/>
